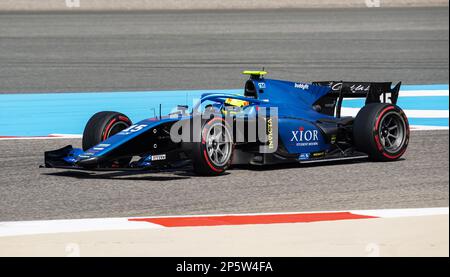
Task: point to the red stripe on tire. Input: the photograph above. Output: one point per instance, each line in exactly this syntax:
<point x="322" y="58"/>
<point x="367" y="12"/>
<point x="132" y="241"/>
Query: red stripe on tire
<point x="209" y="163"/>
<point x="377" y="140"/>
<point x="205" y="154"/>
<point x="107" y="129"/>
<point x="395" y="156"/>
<point x="381" y="115"/>
<point x="124" y="119"/>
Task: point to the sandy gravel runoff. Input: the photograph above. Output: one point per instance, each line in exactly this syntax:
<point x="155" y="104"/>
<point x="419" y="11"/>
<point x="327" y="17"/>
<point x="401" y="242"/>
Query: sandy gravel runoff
<point x="407" y="236"/>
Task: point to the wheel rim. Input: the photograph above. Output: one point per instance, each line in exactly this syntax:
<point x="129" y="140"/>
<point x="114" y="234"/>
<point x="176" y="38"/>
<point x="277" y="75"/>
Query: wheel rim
<point x="392" y="132"/>
<point x="116" y="128"/>
<point x="218" y="144"/>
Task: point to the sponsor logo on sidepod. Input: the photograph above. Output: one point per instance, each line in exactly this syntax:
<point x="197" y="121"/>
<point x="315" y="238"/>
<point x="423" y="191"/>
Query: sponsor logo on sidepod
<point x="303" y="156"/>
<point x="270" y="133"/>
<point x="301" y="85"/>
<point x="302" y="137"/>
<point x="158" y="157"/>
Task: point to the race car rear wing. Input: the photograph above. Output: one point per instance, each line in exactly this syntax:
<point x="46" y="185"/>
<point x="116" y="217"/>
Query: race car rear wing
<point x="374" y="92"/>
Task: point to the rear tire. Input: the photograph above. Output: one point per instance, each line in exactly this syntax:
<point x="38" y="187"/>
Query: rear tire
<point x="381" y="131"/>
<point x="213" y="155"/>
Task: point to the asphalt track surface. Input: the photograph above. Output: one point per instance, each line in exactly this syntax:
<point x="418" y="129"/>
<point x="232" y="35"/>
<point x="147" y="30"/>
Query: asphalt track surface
<point x="153" y="51"/>
<point x="419" y="180"/>
<point x="49" y="52"/>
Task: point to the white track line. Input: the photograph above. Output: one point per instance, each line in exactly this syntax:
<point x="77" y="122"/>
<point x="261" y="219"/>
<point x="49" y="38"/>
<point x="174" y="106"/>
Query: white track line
<point x="409" y="113"/>
<point x="389" y="213"/>
<point x="18" y="228"/>
<point x="406" y="93"/>
<point x="426" y="128"/>
<point x="51" y="136"/>
<point x="417" y="93"/>
<point x="67" y="135"/>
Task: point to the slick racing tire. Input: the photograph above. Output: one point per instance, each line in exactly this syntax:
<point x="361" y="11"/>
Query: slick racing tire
<point x="213" y="155"/>
<point x="103" y="125"/>
<point x="381" y="131"/>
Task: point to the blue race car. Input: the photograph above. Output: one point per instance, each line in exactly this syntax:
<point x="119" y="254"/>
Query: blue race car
<point x="273" y="122"/>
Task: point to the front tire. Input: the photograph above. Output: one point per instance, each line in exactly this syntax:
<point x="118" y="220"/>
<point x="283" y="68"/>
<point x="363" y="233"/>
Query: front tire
<point x="100" y="127"/>
<point x="212" y="156"/>
<point x="381" y="131"/>
<point x="103" y="125"/>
